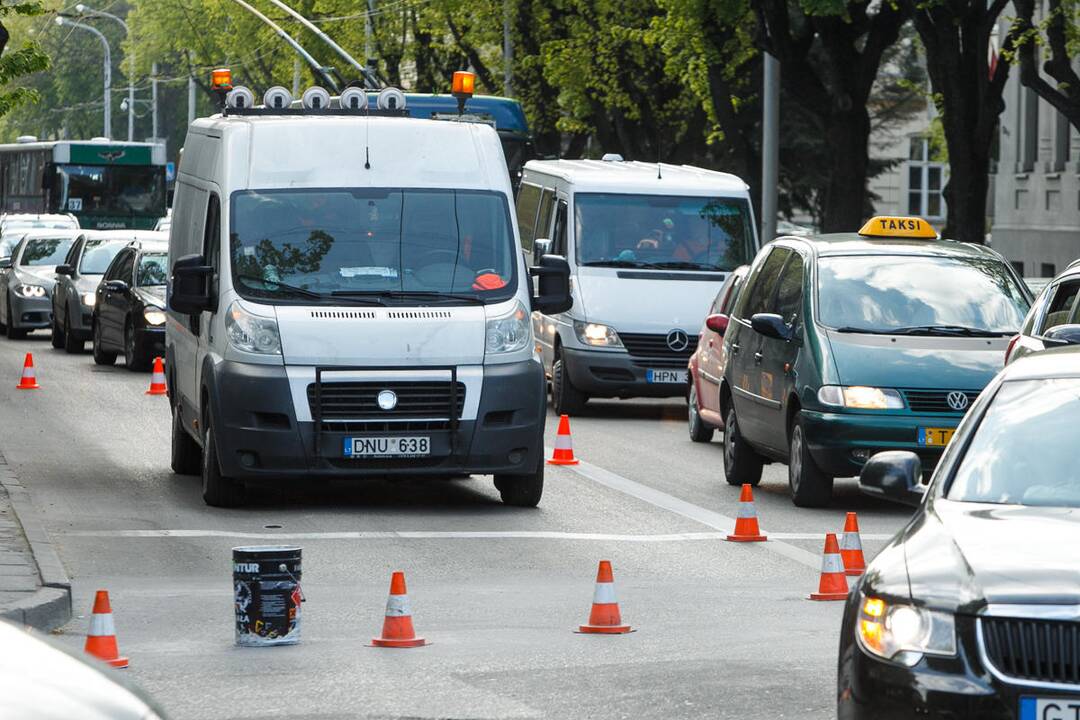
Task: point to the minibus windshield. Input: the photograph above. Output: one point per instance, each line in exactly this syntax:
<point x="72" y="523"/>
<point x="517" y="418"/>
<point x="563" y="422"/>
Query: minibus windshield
<point x="663" y="231"/>
<point x="450" y="245"/>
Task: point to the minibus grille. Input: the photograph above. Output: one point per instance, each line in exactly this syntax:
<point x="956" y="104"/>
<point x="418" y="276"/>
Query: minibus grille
<point x="651" y="350"/>
<point x="1030" y="649"/>
<point x="357" y="401"/>
<point x="936" y="401"/>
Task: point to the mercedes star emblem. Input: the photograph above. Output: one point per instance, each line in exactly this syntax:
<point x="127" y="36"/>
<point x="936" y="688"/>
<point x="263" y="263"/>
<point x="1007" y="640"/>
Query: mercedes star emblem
<point x="387" y="399"/>
<point x="678" y="340"/>
<point x="957" y="400"/>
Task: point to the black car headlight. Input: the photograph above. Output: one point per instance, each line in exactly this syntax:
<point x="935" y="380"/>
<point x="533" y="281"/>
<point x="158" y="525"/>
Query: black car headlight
<point x="154" y="316"/>
<point x="902" y="632"/>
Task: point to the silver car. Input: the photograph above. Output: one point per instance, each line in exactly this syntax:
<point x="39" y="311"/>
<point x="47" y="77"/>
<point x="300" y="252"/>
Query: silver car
<point x="27" y="279"/>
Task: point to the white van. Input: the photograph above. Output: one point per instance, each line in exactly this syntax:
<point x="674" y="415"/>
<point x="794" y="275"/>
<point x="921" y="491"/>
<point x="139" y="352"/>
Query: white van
<point x="348" y="298"/>
<point x="649" y="247"/>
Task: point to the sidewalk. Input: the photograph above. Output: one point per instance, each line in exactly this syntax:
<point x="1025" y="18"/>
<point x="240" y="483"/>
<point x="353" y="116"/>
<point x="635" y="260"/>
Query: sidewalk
<point x="34" y="588"/>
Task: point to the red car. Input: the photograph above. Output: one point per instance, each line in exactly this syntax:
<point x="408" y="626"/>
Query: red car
<point x="707" y="363"/>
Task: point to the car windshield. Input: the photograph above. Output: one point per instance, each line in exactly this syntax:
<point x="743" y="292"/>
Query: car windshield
<point x="97" y="254"/>
<point x="658" y="231"/>
<point x="918" y="294"/>
<point x="999" y="465"/>
<point x="153" y="270"/>
<point x="45" y="251"/>
<point x="118" y="190"/>
<point x="345" y="242"/>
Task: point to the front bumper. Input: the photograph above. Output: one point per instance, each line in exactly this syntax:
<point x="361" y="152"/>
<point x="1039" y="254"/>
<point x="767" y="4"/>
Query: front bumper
<point x="259" y="438"/>
<point x="616" y="374"/>
<point x="30" y="313"/>
<point x="841" y="443"/>
<point x="150" y="342"/>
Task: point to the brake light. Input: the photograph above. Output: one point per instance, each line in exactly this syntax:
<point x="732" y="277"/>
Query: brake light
<point x="1009" y="349"/>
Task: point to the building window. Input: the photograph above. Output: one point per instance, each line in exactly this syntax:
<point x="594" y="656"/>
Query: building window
<point x="1061" y="142"/>
<point x="1047" y="270"/>
<point x="1028" y="137"/>
<point x="925" y="181"/>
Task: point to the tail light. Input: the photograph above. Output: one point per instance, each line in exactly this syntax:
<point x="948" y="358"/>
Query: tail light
<point x="1009" y="349"/>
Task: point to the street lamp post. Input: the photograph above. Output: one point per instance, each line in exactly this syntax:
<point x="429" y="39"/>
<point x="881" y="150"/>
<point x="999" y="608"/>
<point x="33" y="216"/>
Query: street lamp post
<point x="62" y="21"/>
<point x="86" y="10"/>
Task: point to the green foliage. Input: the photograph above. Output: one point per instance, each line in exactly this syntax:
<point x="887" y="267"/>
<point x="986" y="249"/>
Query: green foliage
<point x="28" y="59"/>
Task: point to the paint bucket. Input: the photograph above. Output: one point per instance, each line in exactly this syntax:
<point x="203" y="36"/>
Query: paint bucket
<point x="267" y="595"/>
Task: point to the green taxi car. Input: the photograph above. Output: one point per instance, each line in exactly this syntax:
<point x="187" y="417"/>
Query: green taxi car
<point x="844" y="345"/>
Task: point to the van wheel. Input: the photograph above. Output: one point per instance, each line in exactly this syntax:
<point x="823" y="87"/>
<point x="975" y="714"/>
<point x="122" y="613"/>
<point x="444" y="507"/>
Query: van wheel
<point x="810" y="487"/>
<point x="57" y="338"/>
<point x="699" y="431"/>
<point x="101" y="356"/>
<point x="217" y="490"/>
<point x="186" y="453"/>
<point x="565" y="398"/>
<point x="72" y="344"/>
<point x="521" y="490"/>
<point x="742" y="464"/>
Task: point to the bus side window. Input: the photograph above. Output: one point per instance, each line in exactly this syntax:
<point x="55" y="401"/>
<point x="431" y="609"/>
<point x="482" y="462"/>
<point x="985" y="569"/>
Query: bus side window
<point x="212" y="241"/>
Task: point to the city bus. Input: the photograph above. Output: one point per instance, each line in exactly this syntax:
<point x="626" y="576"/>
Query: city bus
<point x="103" y="183"/>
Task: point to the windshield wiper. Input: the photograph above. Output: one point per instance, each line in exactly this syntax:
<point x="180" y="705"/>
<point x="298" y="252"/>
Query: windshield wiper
<point x="685" y="265"/>
<point x="409" y="294"/>
<point x="619" y="263"/>
<point x="867" y="331"/>
<point x="275" y="286"/>
<point x="961" y="330"/>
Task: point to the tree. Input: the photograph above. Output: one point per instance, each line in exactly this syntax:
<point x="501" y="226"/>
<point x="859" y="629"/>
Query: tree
<point x="26" y="60"/>
<point x="1058" y="34"/>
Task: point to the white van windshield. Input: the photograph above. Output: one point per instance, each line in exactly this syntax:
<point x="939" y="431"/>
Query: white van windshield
<point x="662" y="231"/>
<point x="391" y="245"/>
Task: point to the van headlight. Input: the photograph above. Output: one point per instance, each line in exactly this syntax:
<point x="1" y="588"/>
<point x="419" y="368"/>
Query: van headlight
<point x="30" y="291"/>
<point x="252" y="333"/>
<point x="154" y="316"/>
<point x="508" y="333"/>
<point x="860" y="397"/>
<point x="596" y="334"/>
<point x="904" y="633"/>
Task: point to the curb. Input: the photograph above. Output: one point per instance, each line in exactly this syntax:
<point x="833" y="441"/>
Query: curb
<point x="50" y="606"/>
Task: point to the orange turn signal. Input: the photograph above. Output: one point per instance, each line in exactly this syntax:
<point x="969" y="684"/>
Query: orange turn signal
<point x="464" y="84"/>
<point x="221" y="79"/>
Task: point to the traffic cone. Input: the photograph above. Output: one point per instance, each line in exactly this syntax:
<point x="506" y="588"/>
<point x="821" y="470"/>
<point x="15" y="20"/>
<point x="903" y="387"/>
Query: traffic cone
<point x="29" y="379"/>
<point x="564" y="445"/>
<point x="605" y="618"/>
<point x="833" y="584"/>
<point x="397" y="631"/>
<point x="746" y="527"/>
<point x="157" y="379"/>
<point x="101" y="639"/>
<point x="851" y="547"/>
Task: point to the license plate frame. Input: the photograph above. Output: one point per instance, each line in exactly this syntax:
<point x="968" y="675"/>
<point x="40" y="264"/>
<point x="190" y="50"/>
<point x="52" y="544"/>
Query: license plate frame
<point x="374" y="447"/>
<point x="1033" y="707"/>
<point x="935" y="437"/>
<point x="665" y="376"/>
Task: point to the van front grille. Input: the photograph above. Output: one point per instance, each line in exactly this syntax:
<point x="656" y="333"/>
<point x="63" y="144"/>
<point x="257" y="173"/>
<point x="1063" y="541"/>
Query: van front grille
<point x="652" y="350"/>
<point x="358" y="401"/>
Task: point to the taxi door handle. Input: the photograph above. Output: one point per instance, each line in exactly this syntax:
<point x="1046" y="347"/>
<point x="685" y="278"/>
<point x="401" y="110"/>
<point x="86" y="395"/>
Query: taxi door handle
<point x="734" y="348"/>
<point x="757" y="357"/>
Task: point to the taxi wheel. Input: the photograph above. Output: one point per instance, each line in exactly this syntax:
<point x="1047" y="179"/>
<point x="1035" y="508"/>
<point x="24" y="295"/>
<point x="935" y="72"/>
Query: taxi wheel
<point x="71" y="343"/>
<point x="57" y="337"/>
<point x="521" y="490"/>
<point x="565" y="398"/>
<point x="699" y="431"/>
<point x="742" y="465"/>
<point x="810" y="487"/>
<point x="186" y="453"/>
<point x="101" y="356"/>
<point x="132" y="359"/>
<point x="217" y="490"/>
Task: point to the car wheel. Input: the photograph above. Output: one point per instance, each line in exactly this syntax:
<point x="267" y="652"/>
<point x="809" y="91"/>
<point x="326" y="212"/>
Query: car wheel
<point x="101" y="356"/>
<point x="186" y="453"/>
<point x="810" y="487"/>
<point x="742" y="464"/>
<point x="132" y="359"/>
<point x="13" y="332"/>
<point x="565" y="398"/>
<point x="71" y="343"/>
<point x="699" y="431"/>
<point x="217" y="490"/>
<point x="521" y="490"/>
<point x="57" y="337"/>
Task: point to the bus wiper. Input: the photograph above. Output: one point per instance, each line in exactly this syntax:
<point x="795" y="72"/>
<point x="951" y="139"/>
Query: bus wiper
<point x="410" y="295"/>
<point x="961" y="330"/>
<point x="275" y="286"/>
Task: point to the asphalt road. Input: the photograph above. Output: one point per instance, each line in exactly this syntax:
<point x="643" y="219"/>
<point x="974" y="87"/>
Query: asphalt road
<point x="724" y="630"/>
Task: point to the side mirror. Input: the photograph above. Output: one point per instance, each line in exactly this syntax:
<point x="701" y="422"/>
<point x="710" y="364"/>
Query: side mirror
<point x="552" y="285"/>
<point x="190" y="292"/>
<point x="65" y="270"/>
<point x="771" y="325"/>
<point x="717" y="323"/>
<point x="893" y="475"/>
<point x="116" y="286"/>
<point x="5" y="263"/>
<point x="541" y="247"/>
<point x="1062" y="335"/>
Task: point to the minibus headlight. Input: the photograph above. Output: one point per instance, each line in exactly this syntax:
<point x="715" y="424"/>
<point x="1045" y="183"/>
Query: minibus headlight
<point x="252" y="333"/>
<point x="30" y="291"/>
<point x="860" y="397"/>
<point x="509" y="333"/>
<point x="904" y="633"/>
<point x="596" y="334"/>
<point x="154" y="316"/>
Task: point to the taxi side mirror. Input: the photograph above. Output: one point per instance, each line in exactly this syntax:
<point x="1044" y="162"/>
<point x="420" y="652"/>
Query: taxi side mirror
<point x="771" y="325"/>
<point x="893" y="475"/>
<point x="1062" y="335"/>
<point x="65" y="270"/>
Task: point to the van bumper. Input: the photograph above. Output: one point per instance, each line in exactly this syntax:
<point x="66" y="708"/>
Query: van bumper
<point x="616" y="374"/>
<point x="259" y="438"/>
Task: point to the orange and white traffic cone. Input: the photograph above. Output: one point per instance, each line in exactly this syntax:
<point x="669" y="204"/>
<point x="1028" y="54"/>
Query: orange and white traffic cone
<point x="833" y="583"/>
<point x="157" y="379"/>
<point x="29" y="379"/>
<point x="564" y="445"/>
<point x="746" y="527"/>
<point x="605" y="618"/>
<point x="851" y="547"/>
<point x="101" y="639"/>
<point x="397" y="631"/>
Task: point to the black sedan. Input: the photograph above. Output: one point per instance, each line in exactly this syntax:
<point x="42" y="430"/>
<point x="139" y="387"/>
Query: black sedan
<point x="973" y="609"/>
<point x="129" y="314"/>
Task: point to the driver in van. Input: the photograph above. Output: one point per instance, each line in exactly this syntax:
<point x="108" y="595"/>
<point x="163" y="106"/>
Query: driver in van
<point x="659" y="238"/>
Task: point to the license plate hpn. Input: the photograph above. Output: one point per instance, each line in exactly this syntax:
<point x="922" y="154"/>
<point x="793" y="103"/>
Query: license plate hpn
<point x="409" y="446"/>
<point x="935" y="437"/>
<point x="666" y="376"/>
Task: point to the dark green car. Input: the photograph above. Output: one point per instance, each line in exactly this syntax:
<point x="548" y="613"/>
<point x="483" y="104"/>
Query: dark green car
<point x="844" y="345"/>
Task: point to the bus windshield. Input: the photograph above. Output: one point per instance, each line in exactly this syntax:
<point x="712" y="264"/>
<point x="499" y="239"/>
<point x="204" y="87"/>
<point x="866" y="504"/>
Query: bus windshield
<point x="113" y="190"/>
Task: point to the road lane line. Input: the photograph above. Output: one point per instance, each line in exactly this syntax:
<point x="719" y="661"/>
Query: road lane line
<point x="434" y="535"/>
<point x="688" y="510"/>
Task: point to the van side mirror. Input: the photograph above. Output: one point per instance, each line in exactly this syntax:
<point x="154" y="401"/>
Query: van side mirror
<point x="541" y="247"/>
<point x="552" y="275"/>
<point x="771" y="325"/>
<point x="1062" y="335"/>
<point x="893" y="475"/>
<point x="189" y="290"/>
<point x="717" y="323"/>
<point x="65" y="270"/>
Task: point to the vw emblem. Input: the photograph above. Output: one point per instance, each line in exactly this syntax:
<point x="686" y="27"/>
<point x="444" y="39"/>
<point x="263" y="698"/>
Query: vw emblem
<point x="387" y="399"/>
<point x="957" y="400"/>
<point x="678" y="340"/>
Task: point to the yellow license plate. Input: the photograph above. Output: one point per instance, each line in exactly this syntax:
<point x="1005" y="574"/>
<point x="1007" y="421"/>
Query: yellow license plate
<point x="935" y="437"/>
